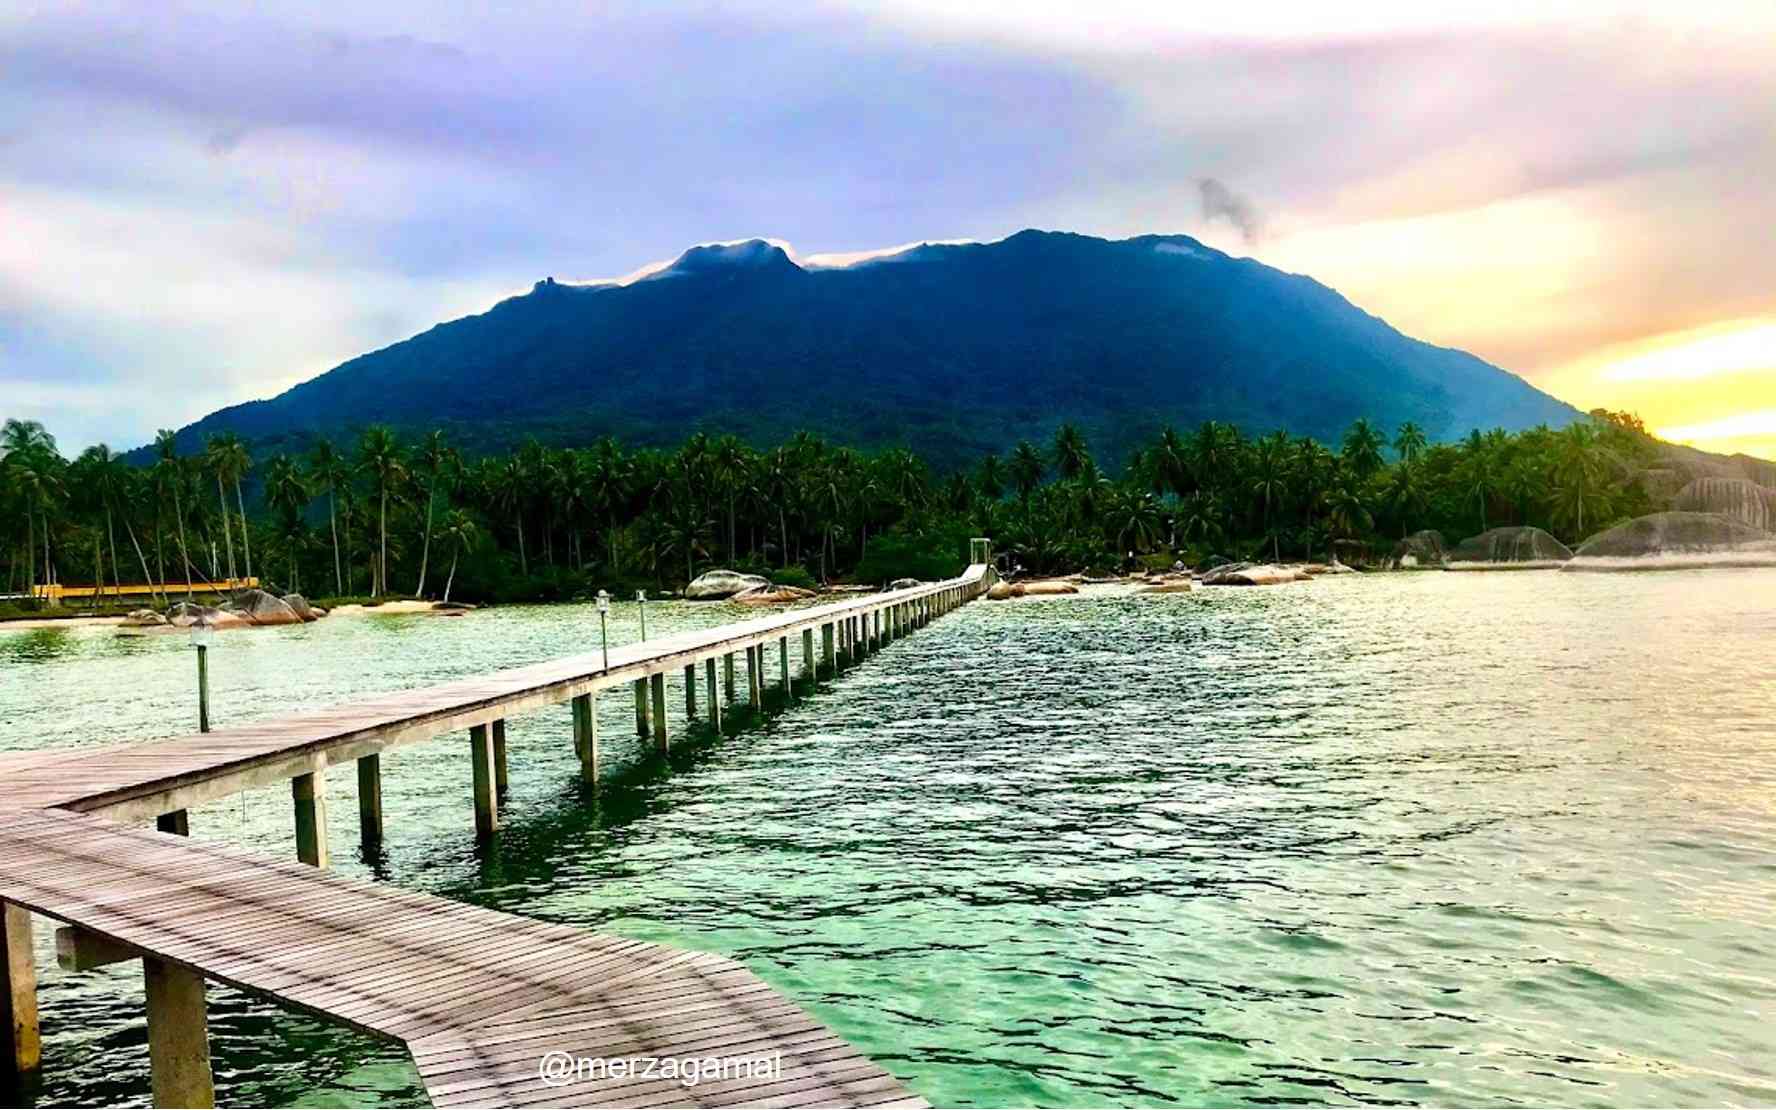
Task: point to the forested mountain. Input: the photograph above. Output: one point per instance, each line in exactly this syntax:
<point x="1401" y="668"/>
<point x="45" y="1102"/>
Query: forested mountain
<point x="951" y="350"/>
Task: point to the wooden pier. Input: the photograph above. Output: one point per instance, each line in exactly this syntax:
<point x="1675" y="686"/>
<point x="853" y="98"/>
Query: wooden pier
<point x="481" y="999"/>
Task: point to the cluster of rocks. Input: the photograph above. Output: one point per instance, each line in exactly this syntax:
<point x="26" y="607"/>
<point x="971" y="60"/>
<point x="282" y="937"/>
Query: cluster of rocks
<point x="1044" y="587"/>
<point x="1517" y="548"/>
<point x="747" y="589"/>
<point x="1420" y="551"/>
<point x="246" y="609"/>
<point x="1675" y="540"/>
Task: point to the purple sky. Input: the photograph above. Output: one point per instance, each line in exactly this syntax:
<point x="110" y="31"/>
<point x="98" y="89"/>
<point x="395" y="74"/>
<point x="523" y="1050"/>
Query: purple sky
<point x="201" y="205"/>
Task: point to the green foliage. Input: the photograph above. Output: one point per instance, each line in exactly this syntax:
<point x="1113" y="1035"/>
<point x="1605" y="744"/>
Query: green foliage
<point x="544" y="523"/>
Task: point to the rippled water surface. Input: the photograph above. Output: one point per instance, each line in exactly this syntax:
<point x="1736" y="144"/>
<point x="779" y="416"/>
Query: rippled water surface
<point x="1446" y="839"/>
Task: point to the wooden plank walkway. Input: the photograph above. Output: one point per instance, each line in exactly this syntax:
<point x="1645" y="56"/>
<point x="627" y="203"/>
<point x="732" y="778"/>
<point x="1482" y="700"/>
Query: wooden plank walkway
<point x="135" y="780"/>
<point x="479" y="997"/>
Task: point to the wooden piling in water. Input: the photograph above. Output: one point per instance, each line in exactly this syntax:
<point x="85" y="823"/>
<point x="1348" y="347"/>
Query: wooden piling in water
<point x="500" y="778"/>
<point x="18" y="991"/>
<point x="177" y="822"/>
<point x="178" y="1035"/>
<point x="585" y="723"/>
<point x="308" y="793"/>
<point x="715" y="705"/>
<point x="658" y="682"/>
<point x="641" y="708"/>
<point x="486" y="797"/>
<point x="370" y="803"/>
<point x="690" y="691"/>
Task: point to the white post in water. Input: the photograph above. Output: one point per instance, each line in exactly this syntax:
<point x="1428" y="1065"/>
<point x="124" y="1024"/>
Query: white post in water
<point x="604" y="606"/>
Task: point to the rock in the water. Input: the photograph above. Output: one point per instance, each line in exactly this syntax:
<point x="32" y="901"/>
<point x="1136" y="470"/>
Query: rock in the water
<point x="1419" y="551"/>
<point x="769" y="594"/>
<point x="716" y="585"/>
<point x="1676" y="540"/>
<point x="1744" y="501"/>
<point x="1247" y="574"/>
<point x="184" y="614"/>
<point x="1043" y="588"/>
<point x="143" y="618"/>
<point x="904" y="583"/>
<point x="260" y="608"/>
<point x="454" y="606"/>
<point x="1509" y="549"/>
<point x="1169" y="586"/>
<point x="300" y="606"/>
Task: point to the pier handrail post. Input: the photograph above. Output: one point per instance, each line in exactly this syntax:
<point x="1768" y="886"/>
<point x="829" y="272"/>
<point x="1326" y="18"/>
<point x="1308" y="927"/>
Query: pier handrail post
<point x="604" y="604"/>
<point x="641" y="603"/>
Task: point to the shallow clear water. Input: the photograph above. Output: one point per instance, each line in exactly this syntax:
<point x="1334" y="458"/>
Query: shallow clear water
<point x="1448" y="839"/>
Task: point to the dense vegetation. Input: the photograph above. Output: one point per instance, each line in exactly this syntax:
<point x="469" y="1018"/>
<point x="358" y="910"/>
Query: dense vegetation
<point x="389" y="517"/>
<point x="950" y="351"/>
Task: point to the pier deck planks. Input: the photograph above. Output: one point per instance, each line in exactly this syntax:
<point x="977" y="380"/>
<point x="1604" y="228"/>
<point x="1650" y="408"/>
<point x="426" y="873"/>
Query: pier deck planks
<point x="478" y="997"/>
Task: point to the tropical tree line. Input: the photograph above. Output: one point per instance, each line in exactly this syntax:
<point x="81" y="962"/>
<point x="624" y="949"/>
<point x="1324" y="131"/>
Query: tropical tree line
<point x="385" y="516"/>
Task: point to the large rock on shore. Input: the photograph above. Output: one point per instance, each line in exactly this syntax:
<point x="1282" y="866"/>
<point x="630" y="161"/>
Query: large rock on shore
<point x="184" y="614"/>
<point x="300" y="606"/>
<point x="1253" y="574"/>
<point x="1420" y="551"/>
<point x="770" y="594"/>
<point x="1042" y="588"/>
<point x="1521" y="548"/>
<point x="260" y="608"/>
<point x="718" y="585"/>
<point x="143" y="618"/>
<point x="1676" y="540"/>
<point x="1738" y="498"/>
<point x="904" y="583"/>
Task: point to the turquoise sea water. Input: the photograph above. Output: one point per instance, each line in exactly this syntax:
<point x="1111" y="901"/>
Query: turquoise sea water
<point x="1444" y="839"/>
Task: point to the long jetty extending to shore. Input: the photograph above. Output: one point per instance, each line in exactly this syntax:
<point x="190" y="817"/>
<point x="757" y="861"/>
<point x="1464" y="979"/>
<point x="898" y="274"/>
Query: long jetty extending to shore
<point x="491" y="1006"/>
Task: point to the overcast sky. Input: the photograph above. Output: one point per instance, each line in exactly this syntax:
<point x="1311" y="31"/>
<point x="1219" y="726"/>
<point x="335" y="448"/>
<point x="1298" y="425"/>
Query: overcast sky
<point x="200" y="205"/>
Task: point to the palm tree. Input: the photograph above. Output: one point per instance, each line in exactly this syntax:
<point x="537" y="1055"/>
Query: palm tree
<point x="1070" y="453"/>
<point x="434" y="456"/>
<point x="288" y="494"/>
<point x="1026" y="469"/>
<point x="169" y="474"/>
<point x="1362" y="449"/>
<point x="1270" y="476"/>
<point x="1406" y="495"/>
<point x="329" y="472"/>
<point x="729" y="463"/>
<point x="508" y="486"/>
<point x="1409" y="442"/>
<point x="457" y="534"/>
<point x="30" y="455"/>
<point x="380" y="456"/>
<point x="612" y="477"/>
<point x="219" y="459"/>
<point x="990" y="479"/>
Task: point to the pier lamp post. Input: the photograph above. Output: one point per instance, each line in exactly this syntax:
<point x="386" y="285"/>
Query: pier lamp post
<point x="202" y="636"/>
<point x="641" y="600"/>
<point x="604" y="608"/>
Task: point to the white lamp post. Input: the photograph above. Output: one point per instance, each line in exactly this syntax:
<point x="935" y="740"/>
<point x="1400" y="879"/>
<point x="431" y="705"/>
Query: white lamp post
<point x="604" y="607"/>
<point x="641" y="599"/>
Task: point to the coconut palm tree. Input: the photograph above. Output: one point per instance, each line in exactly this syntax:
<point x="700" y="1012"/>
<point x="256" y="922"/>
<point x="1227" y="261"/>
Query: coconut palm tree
<point x="1071" y="456"/>
<point x="328" y="471"/>
<point x="1362" y="449"/>
<point x="1027" y="467"/>
<point x="1409" y="442"/>
<point x="1270" y="477"/>
<point x="380" y="457"/>
<point x="219" y="459"/>
<point x="434" y="456"/>
<point x="457" y="533"/>
<point x="170" y="473"/>
<point x="288" y="494"/>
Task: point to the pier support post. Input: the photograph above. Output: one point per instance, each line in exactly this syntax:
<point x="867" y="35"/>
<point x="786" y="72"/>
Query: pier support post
<point x="499" y="756"/>
<point x="178" y="1035"/>
<point x="827" y="650"/>
<point x="658" y="682"/>
<point x="755" y="677"/>
<point x="486" y="797"/>
<point x="178" y="822"/>
<point x="18" y="1000"/>
<point x="715" y="705"/>
<point x="641" y="708"/>
<point x="728" y="676"/>
<point x="808" y="655"/>
<point x="690" y="691"/>
<point x="309" y="795"/>
<point x="585" y="723"/>
<point x="783" y="664"/>
<point x="370" y="803"/>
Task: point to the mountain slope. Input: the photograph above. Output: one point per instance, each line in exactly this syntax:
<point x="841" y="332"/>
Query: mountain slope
<point x="952" y="350"/>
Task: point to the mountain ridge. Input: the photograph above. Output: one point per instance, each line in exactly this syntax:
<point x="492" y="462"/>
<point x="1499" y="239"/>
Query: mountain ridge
<point x="951" y="349"/>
